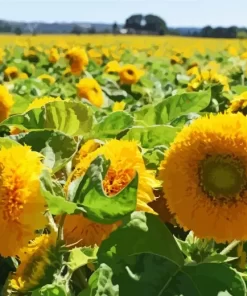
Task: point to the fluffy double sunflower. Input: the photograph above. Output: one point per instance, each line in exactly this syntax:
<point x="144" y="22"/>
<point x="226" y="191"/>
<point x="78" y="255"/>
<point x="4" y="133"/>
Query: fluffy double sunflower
<point x="126" y="159"/>
<point x="204" y="177"/>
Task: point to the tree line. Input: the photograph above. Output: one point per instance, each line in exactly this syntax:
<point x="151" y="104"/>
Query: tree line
<point x="135" y="24"/>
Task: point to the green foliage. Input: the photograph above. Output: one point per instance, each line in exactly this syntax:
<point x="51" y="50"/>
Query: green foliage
<point x="100" y="283"/>
<point x="172" y="107"/>
<point x="88" y="192"/>
<point x="72" y="118"/>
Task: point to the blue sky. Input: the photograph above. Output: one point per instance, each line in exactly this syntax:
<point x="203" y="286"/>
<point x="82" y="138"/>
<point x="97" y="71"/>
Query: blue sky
<point x="196" y="13"/>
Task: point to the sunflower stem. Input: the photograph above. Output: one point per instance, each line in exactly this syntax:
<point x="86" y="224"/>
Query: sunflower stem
<point x="230" y="247"/>
<point x="60" y="234"/>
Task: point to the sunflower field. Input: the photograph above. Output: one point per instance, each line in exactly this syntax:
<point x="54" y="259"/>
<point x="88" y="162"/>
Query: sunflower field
<point x="123" y="166"/>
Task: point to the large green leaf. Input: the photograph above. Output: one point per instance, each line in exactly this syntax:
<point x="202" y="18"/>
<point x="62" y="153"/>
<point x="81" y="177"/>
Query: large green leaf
<point x="140" y="233"/>
<point x="56" y="147"/>
<point x="100" y="283"/>
<point x="72" y="118"/>
<point x="113" y="124"/>
<point x="150" y="274"/>
<point x="20" y="104"/>
<point x="173" y="107"/>
<point x="152" y="135"/>
<point x="89" y="194"/>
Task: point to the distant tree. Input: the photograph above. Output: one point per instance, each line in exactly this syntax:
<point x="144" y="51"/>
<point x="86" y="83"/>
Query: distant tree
<point x="92" y="30"/>
<point x="207" y="31"/>
<point x="134" y="22"/>
<point x="115" y="28"/>
<point x="18" y="31"/>
<point x="155" y="24"/>
<point x="150" y="23"/>
<point x="77" y="30"/>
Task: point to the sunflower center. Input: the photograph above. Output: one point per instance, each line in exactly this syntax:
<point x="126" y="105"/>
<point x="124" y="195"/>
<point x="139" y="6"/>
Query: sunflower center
<point x="116" y="180"/>
<point x="222" y="176"/>
<point x="130" y="72"/>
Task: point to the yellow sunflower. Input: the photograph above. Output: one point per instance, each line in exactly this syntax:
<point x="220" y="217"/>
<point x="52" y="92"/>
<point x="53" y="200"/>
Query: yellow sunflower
<point x="78" y="60"/>
<point x="130" y="74"/>
<point x="53" y="55"/>
<point x="47" y="78"/>
<point x="112" y="67"/>
<point x="35" y="260"/>
<point x="11" y="72"/>
<point x="6" y="103"/>
<point x="88" y="88"/>
<point x="208" y="77"/>
<point x="238" y="104"/>
<point x="86" y="148"/>
<point x="23" y="75"/>
<point x="126" y="159"/>
<point x="118" y="106"/>
<point x="22" y="204"/>
<point x="204" y="177"/>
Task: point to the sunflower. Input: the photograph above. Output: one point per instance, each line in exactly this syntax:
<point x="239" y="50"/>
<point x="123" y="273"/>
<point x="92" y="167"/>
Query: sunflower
<point x="6" y="103"/>
<point x="53" y="55"/>
<point x="21" y="203"/>
<point x="88" y="88"/>
<point x="205" y="177"/>
<point x="78" y="60"/>
<point x="32" y="55"/>
<point x="11" y="73"/>
<point x="47" y="78"/>
<point x="239" y="104"/>
<point x="130" y="74"/>
<point x="40" y="102"/>
<point x="112" y="67"/>
<point x="118" y="106"/>
<point x="36" y="260"/>
<point x="126" y="159"/>
<point x="23" y="75"/>
<point x="208" y="77"/>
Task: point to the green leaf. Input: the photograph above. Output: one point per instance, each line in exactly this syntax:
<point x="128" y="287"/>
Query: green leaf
<point x="153" y="135"/>
<point x="91" y="196"/>
<point x="238" y="89"/>
<point x="79" y="257"/>
<point x="8" y="143"/>
<point x="72" y="118"/>
<point x="152" y="157"/>
<point x="113" y="124"/>
<point x="56" y="147"/>
<point x="51" y="290"/>
<point x="21" y="104"/>
<point x="100" y="283"/>
<point x="151" y="274"/>
<point x="57" y="205"/>
<point x="140" y="233"/>
<point x="173" y="107"/>
<point x="183" y="120"/>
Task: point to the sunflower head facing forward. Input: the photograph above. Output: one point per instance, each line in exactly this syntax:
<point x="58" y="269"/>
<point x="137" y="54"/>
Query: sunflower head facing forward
<point x="204" y="177"/>
<point x="89" y="89"/>
<point x="130" y="74"/>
